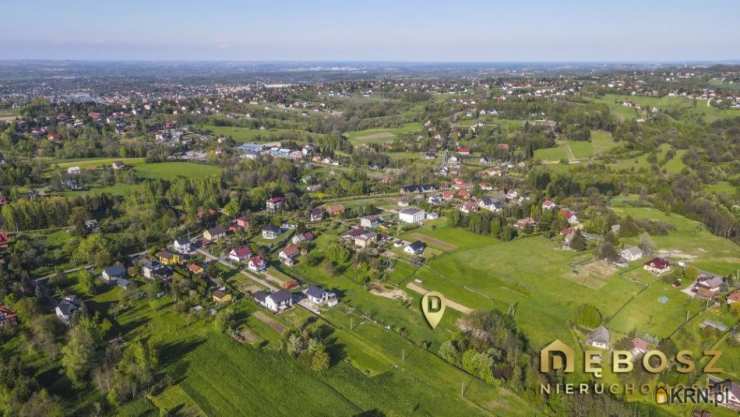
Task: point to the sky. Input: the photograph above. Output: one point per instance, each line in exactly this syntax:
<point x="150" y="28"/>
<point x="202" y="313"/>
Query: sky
<point x="372" y="30"/>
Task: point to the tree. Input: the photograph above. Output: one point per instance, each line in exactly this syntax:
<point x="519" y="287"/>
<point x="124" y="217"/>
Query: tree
<point x="79" y="354"/>
<point x="320" y="360"/>
<point x="646" y="244"/>
<point x="608" y="251"/>
<point x="448" y="351"/>
<point x="588" y="316"/>
<point x="87" y="282"/>
<point x="41" y="404"/>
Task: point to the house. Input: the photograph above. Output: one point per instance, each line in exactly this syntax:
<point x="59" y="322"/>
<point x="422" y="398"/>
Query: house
<point x="631" y="253"/>
<point x="335" y="210"/>
<point x="118" y="165"/>
<point x="74" y="171"/>
<point x="434" y="199"/>
<point x="289" y="254"/>
<point x="657" y="266"/>
<point x="92" y="225"/>
<point x="8" y="317"/>
<point x="240" y="254"/>
<point x="301" y="237"/>
<point x="215" y="233"/>
<point x="639" y="347"/>
<point x="732" y="388"/>
<point x="275" y="204"/>
<point x="114" y="273"/>
<point x="707" y="285"/>
<point x="68" y="308"/>
<point x="569" y="216"/>
<point x="548" y="204"/>
<point x="432" y="215"/>
<point x="411" y="215"/>
<point x="195" y="268"/>
<point x="316" y="215"/>
<point x="370" y="222"/>
<point x="220" y="296"/>
<point x="415" y="248"/>
<point x="152" y="269"/>
<point x="713" y="324"/>
<point x="463" y="150"/>
<point x="599" y="338"/>
<point x="181" y="245"/>
<point x="364" y="239"/>
<point x="276" y="302"/>
<point x="242" y="223"/>
<point x="257" y="264"/>
<point x="168" y="258"/>
<point x="270" y="232"/>
<point x="469" y="207"/>
<point x="491" y="204"/>
<point x="318" y="295"/>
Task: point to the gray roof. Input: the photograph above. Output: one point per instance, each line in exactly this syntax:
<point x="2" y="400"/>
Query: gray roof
<point x="115" y="271"/>
<point x="281" y="296"/>
<point x="600" y="335"/>
<point x="315" y="291"/>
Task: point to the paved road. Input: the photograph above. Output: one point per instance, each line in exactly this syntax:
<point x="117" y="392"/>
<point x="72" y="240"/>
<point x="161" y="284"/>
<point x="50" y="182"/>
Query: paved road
<point x="450" y="303"/>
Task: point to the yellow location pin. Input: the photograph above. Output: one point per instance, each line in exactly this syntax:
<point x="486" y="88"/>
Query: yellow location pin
<point x="433" y="307"/>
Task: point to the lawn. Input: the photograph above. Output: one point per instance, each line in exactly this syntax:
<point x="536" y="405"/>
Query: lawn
<point x="382" y="135"/>
<point x="91" y="163"/>
<point x="245" y="134"/>
<point x="172" y="170"/>
<point x="685" y="106"/>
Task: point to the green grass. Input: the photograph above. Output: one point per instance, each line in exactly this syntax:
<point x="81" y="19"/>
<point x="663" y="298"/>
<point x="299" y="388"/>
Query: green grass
<point x="382" y="135"/>
<point x="679" y="105"/>
<point x="244" y="134"/>
<point x="723" y="187"/>
<point x="91" y="163"/>
<point x="172" y="170"/>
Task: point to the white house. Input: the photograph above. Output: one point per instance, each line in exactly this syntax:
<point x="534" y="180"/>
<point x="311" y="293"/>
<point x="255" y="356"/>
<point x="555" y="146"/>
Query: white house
<point x="631" y="253"/>
<point x="67" y="308"/>
<point x="240" y="254"/>
<point x="415" y="248"/>
<point x="370" y="222"/>
<point x="599" y="338"/>
<point x="275" y="302"/>
<point x="270" y="232"/>
<point x="257" y="264"/>
<point x="318" y="295"/>
<point x="412" y="215"/>
<point x="74" y="171"/>
<point x="182" y="245"/>
<point x="490" y="204"/>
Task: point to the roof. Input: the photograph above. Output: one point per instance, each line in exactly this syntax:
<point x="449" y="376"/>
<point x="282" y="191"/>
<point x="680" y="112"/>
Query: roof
<point x="281" y="296"/>
<point x="641" y="344"/>
<point x="242" y="252"/>
<point x="271" y="228"/>
<point x="260" y="296"/>
<point x="218" y="230"/>
<point x="417" y="245"/>
<point x="315" y="291"/>
<point x="600" y="335"/>
<point x="291" y="250"/>
<point x="115" y="271"/>
<point x="181" y="241"/>
<point x="632" y="250"/>
<point x="659" y="263"/>
<point x="411" y="210"/>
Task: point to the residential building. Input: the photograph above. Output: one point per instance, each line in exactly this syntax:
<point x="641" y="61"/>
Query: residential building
<point x="270" y="232"/>
<point x="276" y="302"/>
<point x="415" y="248"/>
<point x="256" y="264"/>
<point x="411" y="215"/>
<point x="182" y="245"/>
<point x="68" y="308"/>
<point x="8" y="318"/>
<point x="214" y="234"/>
<point x="631" y="253"/>
<point x="289" y="254"/>
<point x="599" y="338"/>
<point x="318" y="295"/>
<point x="657" y="266"/>
<point x="240" y="254"/>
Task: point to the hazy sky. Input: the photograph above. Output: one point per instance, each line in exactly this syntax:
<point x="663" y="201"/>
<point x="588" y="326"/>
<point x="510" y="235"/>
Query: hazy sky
<point x="398" y="30"/>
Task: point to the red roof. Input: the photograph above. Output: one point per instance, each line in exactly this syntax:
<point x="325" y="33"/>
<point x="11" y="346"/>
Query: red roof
<point x="256" y="260"/>
<point x="242" y="252"/>
<point x="566" y="213"/>
<point x="658" y="263"/>
<point x="4" y="238"/>
<point x="291" y="250"/>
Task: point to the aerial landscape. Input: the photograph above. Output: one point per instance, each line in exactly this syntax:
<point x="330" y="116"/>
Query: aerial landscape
<point x="254" y="228"/>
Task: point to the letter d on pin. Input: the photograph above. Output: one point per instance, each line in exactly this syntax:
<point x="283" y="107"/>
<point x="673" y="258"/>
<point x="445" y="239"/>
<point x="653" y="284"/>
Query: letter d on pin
<point x="433" y="307"/>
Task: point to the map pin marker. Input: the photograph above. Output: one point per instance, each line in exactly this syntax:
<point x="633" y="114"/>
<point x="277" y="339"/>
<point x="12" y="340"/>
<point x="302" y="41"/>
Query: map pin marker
<point x="433" y="307"/>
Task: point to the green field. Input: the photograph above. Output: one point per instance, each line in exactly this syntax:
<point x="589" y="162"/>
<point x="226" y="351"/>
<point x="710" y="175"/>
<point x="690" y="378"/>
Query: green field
<point x="600" y="143"/>
<point x="172" y="170"/>
<point x="382" y="135"/>
<point x="677" y="105"/>
<point x="92" y="163"/>
<point x="245" y="134"/>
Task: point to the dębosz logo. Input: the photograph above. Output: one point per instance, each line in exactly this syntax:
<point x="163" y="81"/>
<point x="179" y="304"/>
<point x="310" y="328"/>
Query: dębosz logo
<point x="559" y="357"/>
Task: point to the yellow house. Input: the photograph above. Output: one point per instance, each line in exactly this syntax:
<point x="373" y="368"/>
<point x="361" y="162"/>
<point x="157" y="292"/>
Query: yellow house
<point x="221" y="297"/>
<point x="169" y="258"/>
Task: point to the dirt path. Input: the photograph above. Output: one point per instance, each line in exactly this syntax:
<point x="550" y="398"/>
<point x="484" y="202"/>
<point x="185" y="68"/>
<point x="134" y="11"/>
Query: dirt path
<point x="450" y="303"/>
